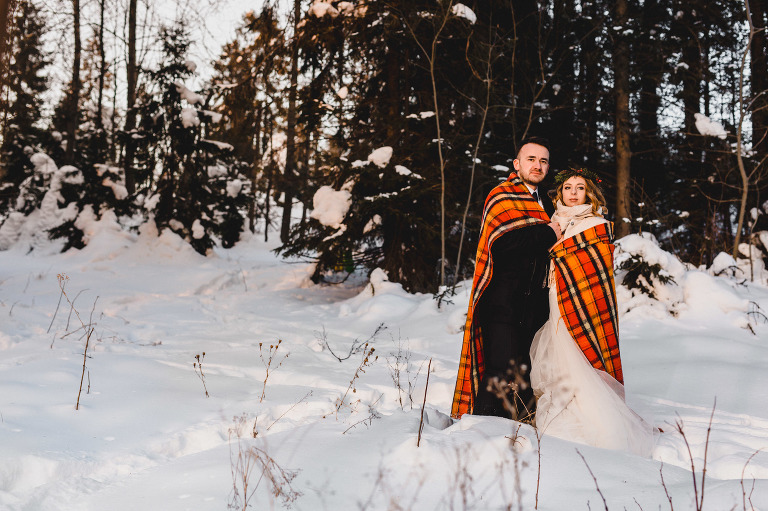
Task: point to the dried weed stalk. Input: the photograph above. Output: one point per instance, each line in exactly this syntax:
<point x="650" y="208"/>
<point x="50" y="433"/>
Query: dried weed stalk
<point x="364" y="363"/>
<point x="664" y="485"/>
<point x="679" y="426"/>
<point x="87" y="329"/>
<point x="272" y="358"/>
<point x="286" y="412"/>
<point x="744" y="497"/>
<point x="373" y="413"/>
<point x="517" y="465"/>
<point x="394" y="495"/>
<point x="506" y="389"/>
<point x="356" y="347"/>
<point x="540" y="434"/>
<point x="198" y="365"/>
<point x="594" y="479"/>
<point x="250" y="466"/>
<point x="398" y="363"/>
<point x="424" y="404"/>
<point x="462" y="484"/>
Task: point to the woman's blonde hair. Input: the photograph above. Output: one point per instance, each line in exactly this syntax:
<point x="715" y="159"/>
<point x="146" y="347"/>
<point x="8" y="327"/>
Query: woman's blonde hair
<point x="594" y="195"/>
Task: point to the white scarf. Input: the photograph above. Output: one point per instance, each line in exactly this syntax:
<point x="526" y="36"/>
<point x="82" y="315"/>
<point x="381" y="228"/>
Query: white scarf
<point x="570" y="215"/>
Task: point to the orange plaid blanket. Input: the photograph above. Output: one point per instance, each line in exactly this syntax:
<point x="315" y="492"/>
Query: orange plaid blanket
<point x="509" y="206"/>
<point x="583" y="266"/>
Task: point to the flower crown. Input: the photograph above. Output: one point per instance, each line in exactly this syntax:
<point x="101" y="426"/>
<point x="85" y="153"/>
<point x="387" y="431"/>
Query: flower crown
<point x="563" y="175"/>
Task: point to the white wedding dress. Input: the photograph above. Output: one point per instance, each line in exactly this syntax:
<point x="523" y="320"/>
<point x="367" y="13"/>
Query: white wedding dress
<point x="577" y="402"/>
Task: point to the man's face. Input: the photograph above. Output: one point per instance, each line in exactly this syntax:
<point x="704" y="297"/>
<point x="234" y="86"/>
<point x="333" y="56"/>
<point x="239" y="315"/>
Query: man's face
<point x="532" y="164"/>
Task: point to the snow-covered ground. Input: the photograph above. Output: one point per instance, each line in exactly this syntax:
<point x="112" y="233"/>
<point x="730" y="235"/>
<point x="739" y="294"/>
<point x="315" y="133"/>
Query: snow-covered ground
<point x="317" y="433"/>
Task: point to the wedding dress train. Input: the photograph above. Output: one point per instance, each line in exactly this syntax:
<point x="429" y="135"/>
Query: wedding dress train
<point x="576" y="401"/>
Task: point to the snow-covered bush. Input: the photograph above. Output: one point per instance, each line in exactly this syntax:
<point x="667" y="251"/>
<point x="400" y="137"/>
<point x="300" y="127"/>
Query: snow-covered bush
<point x="752" y="265"/>
<point x="651" y="282"/>
<point x="43" y="204"/>
<point x="646" y="275"/>
<point x="51" y="200"/>
<point x="202" y="192"/>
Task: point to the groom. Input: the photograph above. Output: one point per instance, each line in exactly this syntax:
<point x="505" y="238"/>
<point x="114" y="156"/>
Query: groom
<point x="509" y="300"/>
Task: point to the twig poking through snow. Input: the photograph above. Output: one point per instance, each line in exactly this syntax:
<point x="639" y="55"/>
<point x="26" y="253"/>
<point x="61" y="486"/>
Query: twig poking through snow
<point x="423" y="404"/>
<point x="743" y="490"/>
<point x="88" y="329"/>
<point x="198" y="365"/>
<point x="664" y="485"/>
<point x="288" y="410"/>
<point x="679" y="426"/>
<point x="356" y="347"/>
<point x="594" y="479"/>
<point x="268" y="363"/>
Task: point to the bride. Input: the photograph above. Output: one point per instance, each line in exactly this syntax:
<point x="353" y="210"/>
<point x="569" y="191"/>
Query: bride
<point x="575" y="362"/>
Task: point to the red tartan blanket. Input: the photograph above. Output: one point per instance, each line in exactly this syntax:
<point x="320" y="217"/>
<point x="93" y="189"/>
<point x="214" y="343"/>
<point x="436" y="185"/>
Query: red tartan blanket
<point x="509" y="206"/>
<point x="583" y="266"/>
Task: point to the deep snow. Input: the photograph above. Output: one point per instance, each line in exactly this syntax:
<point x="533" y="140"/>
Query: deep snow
<point x="147" y="437"/>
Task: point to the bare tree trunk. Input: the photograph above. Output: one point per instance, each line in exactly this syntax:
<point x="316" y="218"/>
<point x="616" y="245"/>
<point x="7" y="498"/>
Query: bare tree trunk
<point x="102" y="73"/>
<point x="130" y="118"/>
<point x="431" y="57"/>
<point x="5" y="10"/>
<point x="745" y="179"/>
<point x="622" y="126"/>
<point x="758" y="74"/>
<point x="270" y="179"/>
<point x="289" y="177"/>
<point x="487" y="79"/>
<point x="256" y="163"/>
<point x="73" y="112"/>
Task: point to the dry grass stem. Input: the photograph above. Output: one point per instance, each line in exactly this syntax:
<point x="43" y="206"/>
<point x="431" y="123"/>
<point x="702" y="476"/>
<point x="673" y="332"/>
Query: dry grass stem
<point x="273" y="348"/>
<point x="372" y="414"/>
<point x="664" y="485"/>
<point x="679" y="426"/>
<point x="356" y="347"/>
<point x="88" y="330"/>
<point x="594" y="479"/>
<point x="288" y="410"/>
<point x="744" y="498"/>
<point x="424" y="404"/>
<point x="198" y="365"/>
<point x="252" y="461"/>
<point x="516" y="465"/>
<point x="366" y="362"/>
<point x="506" y="389"/>
<point x="398" y="363"/>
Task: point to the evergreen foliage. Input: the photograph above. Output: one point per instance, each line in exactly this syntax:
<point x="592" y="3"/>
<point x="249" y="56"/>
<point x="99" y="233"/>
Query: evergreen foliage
<point x="21" y="99"/>
<point x="452" y="88"/>
<point x="643" y="276"/>
<point x="188" y="183"/>
<point x="246" y="89"/>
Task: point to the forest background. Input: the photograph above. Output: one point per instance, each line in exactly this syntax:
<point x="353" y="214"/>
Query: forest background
<point x="367" y="134"/>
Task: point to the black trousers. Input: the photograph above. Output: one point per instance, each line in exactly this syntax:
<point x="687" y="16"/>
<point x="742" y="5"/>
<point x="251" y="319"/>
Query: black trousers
<point x="506" y="352"/>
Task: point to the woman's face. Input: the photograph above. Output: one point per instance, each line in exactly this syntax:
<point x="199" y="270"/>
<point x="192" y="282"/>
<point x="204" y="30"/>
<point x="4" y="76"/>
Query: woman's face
<point x="574" y="191"/>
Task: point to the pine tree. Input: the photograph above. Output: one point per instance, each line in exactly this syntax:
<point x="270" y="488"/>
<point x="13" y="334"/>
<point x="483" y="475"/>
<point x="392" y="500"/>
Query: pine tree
<point x="247" y="93"/>
<point x="189" y="183"/>
<point x="20" y="99"/>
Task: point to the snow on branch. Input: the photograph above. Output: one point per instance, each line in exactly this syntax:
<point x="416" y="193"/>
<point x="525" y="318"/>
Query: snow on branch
<point x="191" y="97"/>
<point x="381" y="156"/>
<point x="330" y="206"/>
<point x="320" y="9"/>
<point x="708" y="127"/>
<point x="462" y="11"/>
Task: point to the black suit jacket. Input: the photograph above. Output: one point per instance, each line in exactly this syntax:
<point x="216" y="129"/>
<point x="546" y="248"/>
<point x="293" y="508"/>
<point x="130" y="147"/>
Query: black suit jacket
<point x="546" y="201"/>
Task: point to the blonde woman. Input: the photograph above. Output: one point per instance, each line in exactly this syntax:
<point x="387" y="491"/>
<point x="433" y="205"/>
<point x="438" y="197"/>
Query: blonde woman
<point x="576" y="368"/>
